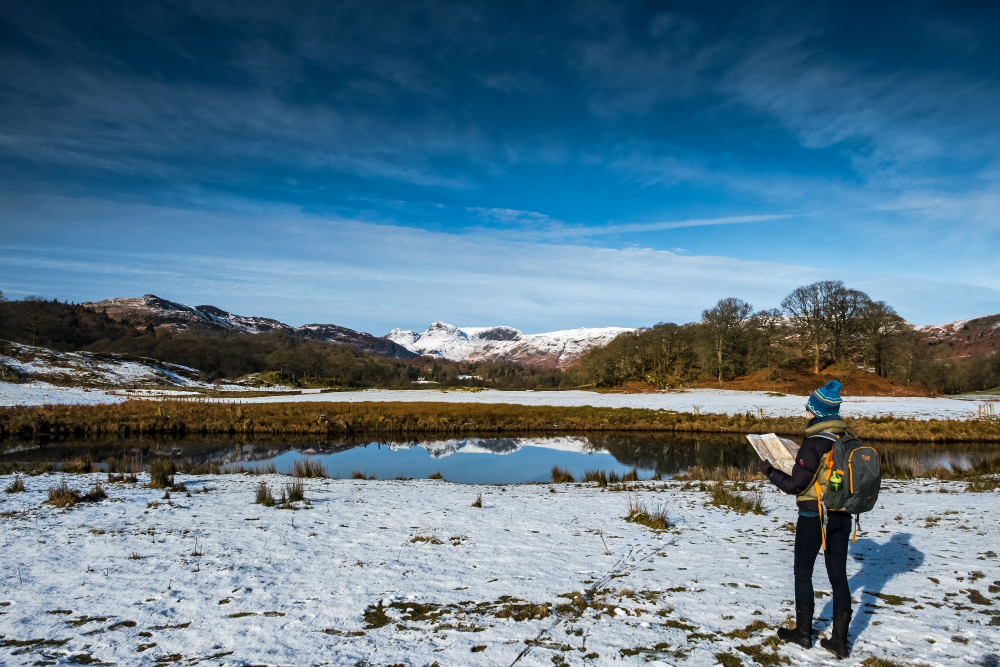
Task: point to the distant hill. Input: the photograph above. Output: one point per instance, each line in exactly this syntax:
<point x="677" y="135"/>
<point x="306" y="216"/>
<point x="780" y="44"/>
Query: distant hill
<point x="164" y="315"/>
<point x="962" y="338"/>
<point x="556" y="349"/>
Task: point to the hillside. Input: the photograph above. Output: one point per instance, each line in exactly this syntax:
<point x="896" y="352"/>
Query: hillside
<point x="556" y="349"/>
<point x="169" y="316"/>
<point x="24" y="363"/>
<point x="962" y="338"/>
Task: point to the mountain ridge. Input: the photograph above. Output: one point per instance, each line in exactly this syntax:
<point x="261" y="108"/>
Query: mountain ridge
<point x="555" y="349"/>
<point x="163" y="314"/>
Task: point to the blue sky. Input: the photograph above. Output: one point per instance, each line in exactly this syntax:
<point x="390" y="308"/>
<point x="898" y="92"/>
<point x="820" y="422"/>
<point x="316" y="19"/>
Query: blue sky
<point x="542" y="165"/>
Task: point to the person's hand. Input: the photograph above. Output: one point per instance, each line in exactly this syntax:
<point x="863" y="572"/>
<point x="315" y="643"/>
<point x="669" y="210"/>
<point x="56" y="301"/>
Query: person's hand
<point x="765" y="466"/>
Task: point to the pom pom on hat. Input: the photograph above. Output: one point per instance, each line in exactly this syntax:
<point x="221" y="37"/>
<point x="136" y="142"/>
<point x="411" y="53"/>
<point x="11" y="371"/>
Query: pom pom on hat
<point x="825" y="401"/>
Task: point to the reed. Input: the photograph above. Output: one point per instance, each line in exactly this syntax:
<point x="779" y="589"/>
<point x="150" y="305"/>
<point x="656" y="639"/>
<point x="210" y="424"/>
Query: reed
<point x="561" y="476"/>
<point x="135" y="418"/>
<point x="308" y="468"/>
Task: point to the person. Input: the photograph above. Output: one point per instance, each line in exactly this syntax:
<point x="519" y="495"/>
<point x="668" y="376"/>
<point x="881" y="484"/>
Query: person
<point x="825" y="425"/>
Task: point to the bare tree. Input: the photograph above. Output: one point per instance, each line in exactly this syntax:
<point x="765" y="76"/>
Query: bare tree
<point x="768" y="327"/>
<point x="879" y="328"/>
<point x="843" y="308"/>
<point x="34" y="318"/>
<point x="806" y="306"/>
<point x="725" y="323"/>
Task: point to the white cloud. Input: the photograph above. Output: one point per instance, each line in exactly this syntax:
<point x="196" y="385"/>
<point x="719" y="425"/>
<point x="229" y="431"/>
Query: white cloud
<point x="302" y="268"/>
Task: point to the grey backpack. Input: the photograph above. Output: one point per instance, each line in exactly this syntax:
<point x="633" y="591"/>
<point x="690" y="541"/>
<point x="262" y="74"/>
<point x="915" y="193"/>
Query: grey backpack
<point x="859" y="467"/>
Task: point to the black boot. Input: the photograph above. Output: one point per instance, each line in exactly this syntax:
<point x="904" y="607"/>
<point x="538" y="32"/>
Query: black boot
<point x="837" y="643"/>
<point x="801" y="634"/>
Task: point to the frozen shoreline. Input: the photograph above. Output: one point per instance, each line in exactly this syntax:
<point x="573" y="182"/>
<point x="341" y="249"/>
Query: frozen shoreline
<point x="263" y="585"/>
<point x="704" y="400"/>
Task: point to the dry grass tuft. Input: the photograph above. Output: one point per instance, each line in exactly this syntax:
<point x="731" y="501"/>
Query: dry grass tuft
<point x="357" y="474"/>
<point x="240" y="469"/>
<point x="264" y="495"/>
<point x="161" y="474"/>
<point x="63" y="496"/>
<point x="295" y="491"/>
<point x="638" y="513"/>
<point x="561" y="476"/>
<point x="723" y="497"/>
<point x="631" y="476"/>
<point x="79" y="465"/>
<point x="211" y="468"/>
<point x="720" y="474"/>
<point x="479" y="501"/>
<point x="425" y="538"/>
<point x="17" y="486"/>
<point x="435" y="475"/>
<point x="308" y="468"/>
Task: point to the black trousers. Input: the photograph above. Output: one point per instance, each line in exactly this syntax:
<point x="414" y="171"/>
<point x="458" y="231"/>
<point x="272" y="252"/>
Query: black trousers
<point x="808" y="541"/>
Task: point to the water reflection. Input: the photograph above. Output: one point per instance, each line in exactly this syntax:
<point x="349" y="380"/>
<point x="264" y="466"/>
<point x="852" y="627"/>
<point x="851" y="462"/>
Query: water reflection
<point x="472" y="460"/>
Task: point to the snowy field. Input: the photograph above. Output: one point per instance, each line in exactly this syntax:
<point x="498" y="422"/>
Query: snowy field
<point x="408" y="573"/>
<point x="704" y="400"/>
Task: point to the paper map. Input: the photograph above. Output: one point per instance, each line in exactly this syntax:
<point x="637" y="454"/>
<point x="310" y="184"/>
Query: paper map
<point x="779" y="451"/>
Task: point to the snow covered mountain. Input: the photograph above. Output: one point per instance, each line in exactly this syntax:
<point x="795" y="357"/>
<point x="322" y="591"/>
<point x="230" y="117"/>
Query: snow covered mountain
<point x="163" y="314"/>
<point x="550" y="350"/>
<point x="442" y="340"/>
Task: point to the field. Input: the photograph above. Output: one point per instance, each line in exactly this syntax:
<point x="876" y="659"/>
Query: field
<point x="176" y="418"/>
<point x="412" y="573"/>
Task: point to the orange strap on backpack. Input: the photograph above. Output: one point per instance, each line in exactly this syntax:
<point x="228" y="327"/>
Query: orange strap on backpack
<point x="819" y="506"/>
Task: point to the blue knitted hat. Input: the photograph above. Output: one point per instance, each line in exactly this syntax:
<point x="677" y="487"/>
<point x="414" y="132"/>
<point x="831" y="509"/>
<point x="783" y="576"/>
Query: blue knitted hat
<point x="825" y="401"/>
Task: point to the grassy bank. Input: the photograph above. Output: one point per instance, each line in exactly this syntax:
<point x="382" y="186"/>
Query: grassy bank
<point x="174" y="418"/>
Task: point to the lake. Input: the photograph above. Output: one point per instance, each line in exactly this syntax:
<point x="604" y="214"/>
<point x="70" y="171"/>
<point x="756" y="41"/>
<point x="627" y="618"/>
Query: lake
<point x="472" y="460"/>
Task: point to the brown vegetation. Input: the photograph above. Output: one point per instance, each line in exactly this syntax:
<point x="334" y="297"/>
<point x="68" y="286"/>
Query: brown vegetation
<point x="561" y="475"/>
<point x="137" y="418"/>
<point x="637" y="513"/>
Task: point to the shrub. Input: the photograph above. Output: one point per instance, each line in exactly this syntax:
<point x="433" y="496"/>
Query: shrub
<point x="561" y="475"/>
<point x="17" y="486"/>
<point x="308" y="468"/>
<point x="479" y="501"/>
<point x="264" y="495"/>
<point x="161" y="474"/>
<point x="435" y="475"/>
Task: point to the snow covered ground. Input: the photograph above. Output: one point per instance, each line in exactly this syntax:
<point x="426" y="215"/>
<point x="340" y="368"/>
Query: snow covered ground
<point x="408" y="573"/>
<point x="704" y="400"/>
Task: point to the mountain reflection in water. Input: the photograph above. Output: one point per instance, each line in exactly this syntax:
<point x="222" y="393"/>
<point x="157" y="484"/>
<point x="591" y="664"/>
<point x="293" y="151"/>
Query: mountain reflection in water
<point x="485" y="460"/>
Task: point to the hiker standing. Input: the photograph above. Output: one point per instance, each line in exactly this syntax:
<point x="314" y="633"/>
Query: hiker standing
<point x="822" y="431"/>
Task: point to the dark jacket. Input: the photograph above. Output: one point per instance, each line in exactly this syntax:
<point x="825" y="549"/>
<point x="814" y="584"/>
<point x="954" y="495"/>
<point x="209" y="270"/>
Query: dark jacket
<point x="810" y="457"/>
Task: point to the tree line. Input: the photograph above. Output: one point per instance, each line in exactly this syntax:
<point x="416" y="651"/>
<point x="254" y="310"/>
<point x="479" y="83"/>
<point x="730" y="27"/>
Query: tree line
<point x="818" y="326"/>
<point x="823" y="324"/>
